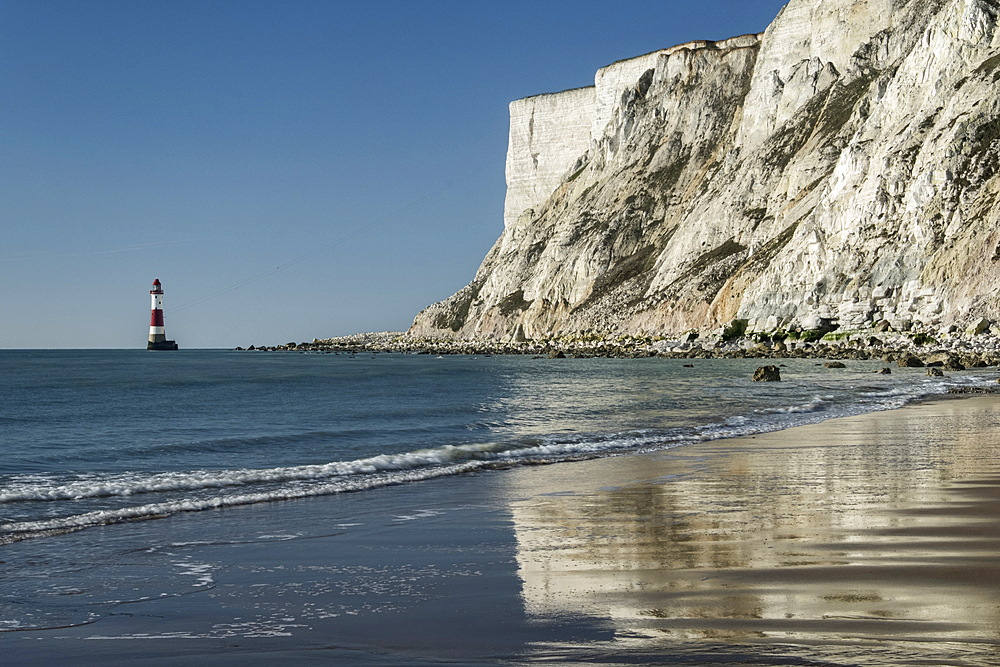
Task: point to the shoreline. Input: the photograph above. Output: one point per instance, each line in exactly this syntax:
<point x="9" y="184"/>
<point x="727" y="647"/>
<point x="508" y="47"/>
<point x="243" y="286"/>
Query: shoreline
<point x="954" y="352"/>
<point x="870" y="539"/>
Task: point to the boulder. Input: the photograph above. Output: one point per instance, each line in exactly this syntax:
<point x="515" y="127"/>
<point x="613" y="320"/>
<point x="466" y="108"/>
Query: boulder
<point x="556" y="354"/>
<point x="835" y="364"/>
<point x="935" y="372"/>
<point x="767" y="374"/>
<point x="947" y="360"/>
<point x="909" y="361"/>
<point x="978" y="327"/>
<point x="885" y="371"/>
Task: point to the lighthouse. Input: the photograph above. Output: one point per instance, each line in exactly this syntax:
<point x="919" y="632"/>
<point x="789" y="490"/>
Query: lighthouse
<point x="157" y="337"/>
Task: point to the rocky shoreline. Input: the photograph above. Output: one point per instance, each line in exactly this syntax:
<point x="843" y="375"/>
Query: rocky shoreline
<point x="951" y="351"/>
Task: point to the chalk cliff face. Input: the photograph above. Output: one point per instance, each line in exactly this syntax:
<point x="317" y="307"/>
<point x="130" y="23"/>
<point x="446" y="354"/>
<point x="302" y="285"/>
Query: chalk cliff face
<point x="841" y="169"/>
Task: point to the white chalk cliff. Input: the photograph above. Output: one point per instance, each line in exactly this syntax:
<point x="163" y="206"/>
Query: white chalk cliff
<point x="840" y="169"/>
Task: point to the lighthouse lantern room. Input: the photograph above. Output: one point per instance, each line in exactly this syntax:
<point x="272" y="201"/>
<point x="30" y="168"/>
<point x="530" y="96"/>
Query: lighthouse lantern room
<point x="157" y="335"/>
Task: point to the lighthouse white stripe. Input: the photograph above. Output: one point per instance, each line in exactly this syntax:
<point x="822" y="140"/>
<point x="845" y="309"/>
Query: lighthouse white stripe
<point x="156" y="330"/>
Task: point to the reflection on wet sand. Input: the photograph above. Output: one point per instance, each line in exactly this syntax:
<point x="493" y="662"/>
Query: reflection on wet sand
<point x="880" y="528"/>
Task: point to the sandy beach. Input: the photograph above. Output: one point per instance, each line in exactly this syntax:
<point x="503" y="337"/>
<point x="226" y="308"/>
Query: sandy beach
<point x="869" y="540"/>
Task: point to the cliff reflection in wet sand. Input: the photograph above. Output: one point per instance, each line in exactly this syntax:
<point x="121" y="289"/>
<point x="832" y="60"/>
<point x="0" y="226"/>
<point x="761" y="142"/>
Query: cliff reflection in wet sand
<point x="883" y="527"/>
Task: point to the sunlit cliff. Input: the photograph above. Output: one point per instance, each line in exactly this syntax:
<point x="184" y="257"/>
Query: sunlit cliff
<point x="840" y="169"/>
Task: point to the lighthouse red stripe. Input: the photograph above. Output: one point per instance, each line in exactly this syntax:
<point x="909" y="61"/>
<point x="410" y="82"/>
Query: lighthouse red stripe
<point x="156" y="318"/>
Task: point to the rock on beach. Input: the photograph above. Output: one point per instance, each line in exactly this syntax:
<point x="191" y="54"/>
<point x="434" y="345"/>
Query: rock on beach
<point x="767" y="374"/>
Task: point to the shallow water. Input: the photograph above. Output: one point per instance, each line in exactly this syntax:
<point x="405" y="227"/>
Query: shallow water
<point x="97" y="437"/>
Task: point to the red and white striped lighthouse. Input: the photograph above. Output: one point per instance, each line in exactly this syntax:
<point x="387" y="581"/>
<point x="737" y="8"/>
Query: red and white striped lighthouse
<point x="157" y="335"/>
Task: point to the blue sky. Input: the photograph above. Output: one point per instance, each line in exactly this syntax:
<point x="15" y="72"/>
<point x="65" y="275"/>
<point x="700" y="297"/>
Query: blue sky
<point x="288" y="170"/>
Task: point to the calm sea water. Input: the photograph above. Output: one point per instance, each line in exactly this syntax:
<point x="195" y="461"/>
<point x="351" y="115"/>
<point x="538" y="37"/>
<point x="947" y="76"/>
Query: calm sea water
<point x="93" y="438"/>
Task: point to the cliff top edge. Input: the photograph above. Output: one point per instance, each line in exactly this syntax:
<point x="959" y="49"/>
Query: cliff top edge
<point x="738" y="42"/>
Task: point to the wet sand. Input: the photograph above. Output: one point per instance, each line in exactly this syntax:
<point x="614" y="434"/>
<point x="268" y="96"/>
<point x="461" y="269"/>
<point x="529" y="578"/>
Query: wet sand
<point x="871" y="540"/>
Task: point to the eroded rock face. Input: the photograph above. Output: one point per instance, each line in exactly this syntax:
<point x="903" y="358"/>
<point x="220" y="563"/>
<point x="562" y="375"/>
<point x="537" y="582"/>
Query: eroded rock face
<point x="548" y="134"/>
<point x="839" y="170"/>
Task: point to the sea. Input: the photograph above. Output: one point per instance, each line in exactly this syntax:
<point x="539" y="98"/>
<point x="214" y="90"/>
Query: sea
<point x="94" y="438"/>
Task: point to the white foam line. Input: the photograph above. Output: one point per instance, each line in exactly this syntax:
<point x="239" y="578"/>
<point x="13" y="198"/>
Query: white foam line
<point x="124" y="486"/>
<point x="19" y="530"/>
<point x="207" y="479"/>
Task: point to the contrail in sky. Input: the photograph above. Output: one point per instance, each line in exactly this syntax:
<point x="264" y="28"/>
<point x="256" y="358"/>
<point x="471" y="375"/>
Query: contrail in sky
<point x="82" y="253"/>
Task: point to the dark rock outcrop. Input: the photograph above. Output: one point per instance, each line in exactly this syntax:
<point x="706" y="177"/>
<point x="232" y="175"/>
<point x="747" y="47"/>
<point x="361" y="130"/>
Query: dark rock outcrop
<point x="767" y="374"/>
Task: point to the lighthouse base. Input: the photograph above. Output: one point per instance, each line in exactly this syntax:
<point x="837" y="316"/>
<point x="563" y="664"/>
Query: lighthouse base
<point x="161" y="345"/>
